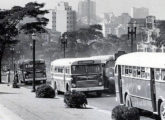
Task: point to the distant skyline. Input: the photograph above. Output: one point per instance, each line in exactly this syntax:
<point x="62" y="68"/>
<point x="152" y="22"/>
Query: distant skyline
<point x="156" y="7"/>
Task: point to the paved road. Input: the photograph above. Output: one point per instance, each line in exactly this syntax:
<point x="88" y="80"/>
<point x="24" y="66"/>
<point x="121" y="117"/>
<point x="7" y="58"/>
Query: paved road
<point x="105" y="104"/>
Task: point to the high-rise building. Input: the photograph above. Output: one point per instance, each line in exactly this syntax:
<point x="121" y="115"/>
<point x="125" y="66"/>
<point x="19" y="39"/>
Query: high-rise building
<point x="63" y="18"/>
<point x="87" y="9"/>
<point x="139" y="12"/>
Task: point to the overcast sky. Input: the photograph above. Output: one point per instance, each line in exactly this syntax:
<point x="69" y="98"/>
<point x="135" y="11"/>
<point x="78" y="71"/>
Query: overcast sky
<point x="156" y="7"/>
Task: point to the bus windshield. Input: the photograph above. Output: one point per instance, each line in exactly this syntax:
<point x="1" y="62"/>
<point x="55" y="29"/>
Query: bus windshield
<point x="84" y="69"/>
<point x="38" y="66"/>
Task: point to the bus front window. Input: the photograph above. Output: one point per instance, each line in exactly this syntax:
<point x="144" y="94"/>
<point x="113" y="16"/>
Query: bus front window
<point x="84" y="69"/>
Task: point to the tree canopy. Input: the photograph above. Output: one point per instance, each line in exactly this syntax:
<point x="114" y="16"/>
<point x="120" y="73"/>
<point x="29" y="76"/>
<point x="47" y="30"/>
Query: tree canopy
<point x="10" y="25"/>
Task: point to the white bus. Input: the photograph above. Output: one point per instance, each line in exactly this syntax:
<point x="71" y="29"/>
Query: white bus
<point x="80" y="74"/>
<point x="140" y="81"/>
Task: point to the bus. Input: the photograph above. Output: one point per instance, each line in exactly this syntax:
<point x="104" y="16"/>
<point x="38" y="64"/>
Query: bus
<point x="140" y="81"/>
<point x="79" y="74"/>
<point x="26" y="71"/>
<point x="108" y="63"/>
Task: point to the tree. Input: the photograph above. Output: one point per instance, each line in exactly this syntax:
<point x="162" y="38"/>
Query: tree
<point x="80" y="41"/>
<point x="10" y="28"/>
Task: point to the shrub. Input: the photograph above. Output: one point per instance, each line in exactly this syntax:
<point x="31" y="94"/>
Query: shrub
<point x="45" y="91"/>
<point x="75" y="99"/>
<point x="121" y="112"/>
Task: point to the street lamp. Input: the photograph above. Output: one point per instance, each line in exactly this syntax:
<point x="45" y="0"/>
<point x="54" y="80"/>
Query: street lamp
<point x="12" y="58"/>
<point x="34" y="70"/>
<point x="64" y="42"/>
<point x="132" y="33"/>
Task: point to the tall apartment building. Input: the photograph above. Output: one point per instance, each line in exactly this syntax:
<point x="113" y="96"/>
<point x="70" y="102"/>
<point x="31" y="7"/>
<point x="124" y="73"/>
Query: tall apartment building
<point x="63" y="18"/>
<point x="139" y="12"/>
<point x="87" y="8"/>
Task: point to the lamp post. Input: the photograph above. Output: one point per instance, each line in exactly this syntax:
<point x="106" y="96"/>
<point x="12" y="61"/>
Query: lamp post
<point x="64" y="42"/>
<point x="132" y="33"/>
<point x="12" y="58"/>
<point x="34" y="70"/>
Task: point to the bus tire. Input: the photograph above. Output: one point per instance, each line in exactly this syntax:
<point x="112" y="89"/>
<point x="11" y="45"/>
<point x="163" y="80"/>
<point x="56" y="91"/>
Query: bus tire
<point x="99" y="93"/>
<point x="162" y="111"/>
<point x="44" y="81"/>
<point x="128" y="102"/>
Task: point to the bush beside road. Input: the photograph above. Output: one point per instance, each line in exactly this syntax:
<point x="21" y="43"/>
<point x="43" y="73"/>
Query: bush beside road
<point x="24" y="104"/>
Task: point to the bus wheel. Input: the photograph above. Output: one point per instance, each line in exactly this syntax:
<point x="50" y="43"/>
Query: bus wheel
<point x="44" y="81"/>
<point x="162" y="111"/>
<point x="99" y="93"/>
<point x="128" y="102"/>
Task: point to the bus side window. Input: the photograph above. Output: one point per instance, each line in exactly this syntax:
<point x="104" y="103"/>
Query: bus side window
<point x="126" y="70"/>
<point x="60" y="70"/>
<point x="55" y="70"/>
<point x="130" y="71"/>
<point x="143" y="74"/>
<point x="147" y="70"/>
<point x="138" y="72"/>
<point x="67" y="70"/>
<point x="163" y="74"/>
<point x="134" y="71"/>
<point x="123" y="70"/>
<point x="157" y="74"/>
<point x="116" y="69"/>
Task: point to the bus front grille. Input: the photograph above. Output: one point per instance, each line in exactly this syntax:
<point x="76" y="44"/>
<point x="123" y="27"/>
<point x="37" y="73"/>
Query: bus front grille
<point x="87" y="83"/>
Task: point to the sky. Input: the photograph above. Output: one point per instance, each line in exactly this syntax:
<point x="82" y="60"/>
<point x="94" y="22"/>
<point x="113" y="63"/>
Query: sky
<point x="156" y="7"/>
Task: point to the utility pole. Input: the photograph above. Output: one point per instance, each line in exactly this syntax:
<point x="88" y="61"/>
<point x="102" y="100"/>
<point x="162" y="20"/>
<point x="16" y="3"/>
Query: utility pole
<point x="34" y="69"/>
<point x="132" y="33"/>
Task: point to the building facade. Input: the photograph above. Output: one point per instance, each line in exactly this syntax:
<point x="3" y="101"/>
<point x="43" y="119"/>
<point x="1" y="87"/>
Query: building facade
<point x="139" y="12"/>
<point x="63" y="18"/>
<point x="87" y="10"/>
<point x="152" y="32"/>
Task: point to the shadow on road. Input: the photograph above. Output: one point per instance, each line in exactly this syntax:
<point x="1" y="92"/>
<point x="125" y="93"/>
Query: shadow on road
<point x="104" y="95"/>
<point x="149" y="115"/>
<point x="7" y="93"/>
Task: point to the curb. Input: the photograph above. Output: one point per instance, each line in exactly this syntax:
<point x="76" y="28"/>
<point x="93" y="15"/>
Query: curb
<point x="6" y="114"/>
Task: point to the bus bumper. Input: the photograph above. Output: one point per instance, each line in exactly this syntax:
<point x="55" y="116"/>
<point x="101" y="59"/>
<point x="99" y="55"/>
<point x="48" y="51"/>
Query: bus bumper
<point x="37" y="79"/>
<point x="100" y="88"/>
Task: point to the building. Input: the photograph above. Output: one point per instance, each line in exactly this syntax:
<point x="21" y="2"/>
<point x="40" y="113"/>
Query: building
<point x="87" y="9"/>
<point x="120" y="30"/>
<point x="124" y="19"/>
<point x="139" y="12"/>
<point x="63" y="18"/>
<point x="115" y="25"/>
<point x="152" y="32"/>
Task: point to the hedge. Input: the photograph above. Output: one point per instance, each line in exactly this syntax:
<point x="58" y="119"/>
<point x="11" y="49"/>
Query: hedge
<point x="122" y="112"/>
<point x="75" y="99"/>
<point x="45" y="91"/>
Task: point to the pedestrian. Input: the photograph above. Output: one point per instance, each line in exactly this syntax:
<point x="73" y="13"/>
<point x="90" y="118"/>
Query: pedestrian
<point x="15" y="81"/>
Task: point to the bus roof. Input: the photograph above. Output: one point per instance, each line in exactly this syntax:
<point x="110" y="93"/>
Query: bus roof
<point x="142" y="59"/>
<point x="73" y="61"/>
<point x="30" y="60"/>
<point x="103" y="58"/>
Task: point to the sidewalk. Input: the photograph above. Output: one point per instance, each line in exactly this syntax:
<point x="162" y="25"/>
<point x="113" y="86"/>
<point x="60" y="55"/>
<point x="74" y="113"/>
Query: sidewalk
<point x="24" y="105"/>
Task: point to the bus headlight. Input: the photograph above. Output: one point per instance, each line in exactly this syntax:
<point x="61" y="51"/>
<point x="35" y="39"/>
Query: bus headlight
<point x="26" y="76"/>
<point x="100" y="83"/>
<point x="73" y="85"/>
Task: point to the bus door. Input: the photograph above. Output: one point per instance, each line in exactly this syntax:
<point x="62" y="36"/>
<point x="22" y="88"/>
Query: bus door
<point x="64" y="79"/>
<point x="153" y="90"/>
<point x="120" y="84"/>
